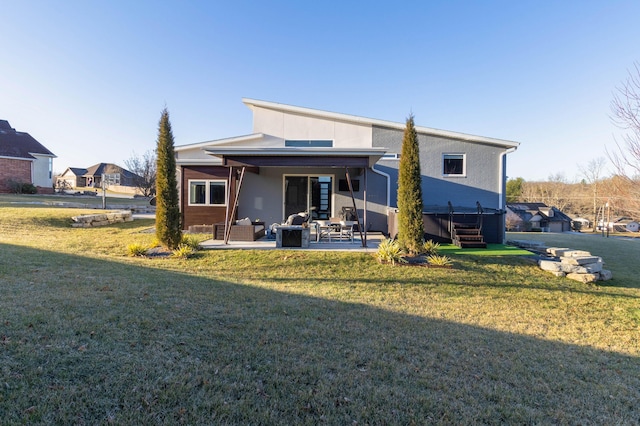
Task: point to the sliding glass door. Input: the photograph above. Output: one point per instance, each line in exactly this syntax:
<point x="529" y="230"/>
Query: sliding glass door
<point x="308" y="193"/>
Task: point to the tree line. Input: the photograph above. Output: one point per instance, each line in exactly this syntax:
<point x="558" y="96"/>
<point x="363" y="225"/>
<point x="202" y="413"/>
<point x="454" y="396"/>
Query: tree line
<point x="620" y="189"/>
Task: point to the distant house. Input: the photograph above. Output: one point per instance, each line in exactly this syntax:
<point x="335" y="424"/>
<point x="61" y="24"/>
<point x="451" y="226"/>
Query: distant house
<point x="23" y="159"/>
<point x="119" y="179"/>
<point x="539" y="216"/>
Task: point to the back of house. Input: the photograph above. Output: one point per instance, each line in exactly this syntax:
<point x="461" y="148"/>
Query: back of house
<point x="331" y="164"/>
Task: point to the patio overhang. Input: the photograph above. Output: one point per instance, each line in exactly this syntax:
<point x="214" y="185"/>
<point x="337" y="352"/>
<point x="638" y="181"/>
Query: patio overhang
<point x="297" y="157"/>
<point x="251" y="159"/>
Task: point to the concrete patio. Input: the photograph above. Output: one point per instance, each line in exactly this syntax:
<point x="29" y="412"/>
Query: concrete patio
<point x="373" y="239"/>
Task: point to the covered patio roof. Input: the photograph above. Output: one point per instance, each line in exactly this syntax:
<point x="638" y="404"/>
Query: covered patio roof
<point x="298" y="157"/>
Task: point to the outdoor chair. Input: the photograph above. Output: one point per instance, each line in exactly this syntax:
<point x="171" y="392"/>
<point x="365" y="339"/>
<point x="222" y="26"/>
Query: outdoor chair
<point x="346" y="229"/>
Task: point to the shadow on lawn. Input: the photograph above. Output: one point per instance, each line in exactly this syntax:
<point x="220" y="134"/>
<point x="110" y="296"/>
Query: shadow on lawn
<point x="99" y="341"/>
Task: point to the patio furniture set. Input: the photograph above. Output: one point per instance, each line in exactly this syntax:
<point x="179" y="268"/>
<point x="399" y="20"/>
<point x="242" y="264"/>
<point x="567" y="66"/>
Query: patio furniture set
<point x="296" y="231"/>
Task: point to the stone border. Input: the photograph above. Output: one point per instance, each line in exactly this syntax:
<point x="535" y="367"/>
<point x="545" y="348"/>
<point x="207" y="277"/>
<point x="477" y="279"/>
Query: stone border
<point x="577" y="265"/>
<point x="101" y="219"/>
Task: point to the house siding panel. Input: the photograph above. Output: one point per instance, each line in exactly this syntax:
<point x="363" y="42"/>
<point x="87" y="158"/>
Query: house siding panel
<point x="17" y="170"/>
<point x="201" y="215"/>
<point x="481" y="182"/>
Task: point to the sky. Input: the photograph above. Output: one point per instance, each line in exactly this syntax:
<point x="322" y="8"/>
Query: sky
<point x="89" y="79"/>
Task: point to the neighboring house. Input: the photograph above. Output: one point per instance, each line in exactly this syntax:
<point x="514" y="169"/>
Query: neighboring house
<point x="539" y="216"/>
<point x="119" y="179"/>
<point x="23" y="159"/>
<point x="298" y="159"/>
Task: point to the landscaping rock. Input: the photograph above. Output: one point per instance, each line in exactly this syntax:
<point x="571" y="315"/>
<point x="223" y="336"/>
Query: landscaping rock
<point x="557" y="251"/>
<point x="101" y="219"/>
<point x="578" y="265"/>
<point x="605" y="275"/>
<point x="584" y="278"/>
<point x="576" y="253"/>
<point x="550" y="265"/>
<point x="581" y="260"/>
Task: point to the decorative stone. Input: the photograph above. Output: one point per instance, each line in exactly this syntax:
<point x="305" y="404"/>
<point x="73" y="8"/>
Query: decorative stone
<point x="606" y="275"/>
<point x="583" y="278"/>
<point x="576" y="253"/>
<point x="557" y="251"/>
<point x="582" y="260"/>
<point x="550" y="265"/>
<point x="101" y="219"/>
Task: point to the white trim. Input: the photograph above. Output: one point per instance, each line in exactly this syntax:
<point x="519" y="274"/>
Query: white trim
<point x="375" y="122"/>
<point x="232" y="140"/>
<point x="464" y="165"/>
<point x="207" y="185"/>
<point x="18" y="158"/>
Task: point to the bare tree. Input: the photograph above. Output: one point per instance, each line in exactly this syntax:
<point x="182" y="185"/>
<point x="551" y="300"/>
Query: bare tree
<point x="625" y="108"/>
<point x="592" y="174"/>
<point x="145" y="168"/>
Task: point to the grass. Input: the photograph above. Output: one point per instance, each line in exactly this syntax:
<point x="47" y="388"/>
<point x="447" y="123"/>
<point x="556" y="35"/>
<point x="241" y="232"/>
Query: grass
<point x="620" y="254"/>
<point x="113" y="200"/>
<point x="89" y="335"/>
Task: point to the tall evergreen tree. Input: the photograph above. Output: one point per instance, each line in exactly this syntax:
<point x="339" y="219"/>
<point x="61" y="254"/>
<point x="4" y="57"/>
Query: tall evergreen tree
<point x="410" y="225"/>
<point x="168" y="227"/>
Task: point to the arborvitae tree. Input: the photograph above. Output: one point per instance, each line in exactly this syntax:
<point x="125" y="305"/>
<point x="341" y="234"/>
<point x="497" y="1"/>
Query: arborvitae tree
<point x="168" y="227"/>
<point x="410" y="225"/>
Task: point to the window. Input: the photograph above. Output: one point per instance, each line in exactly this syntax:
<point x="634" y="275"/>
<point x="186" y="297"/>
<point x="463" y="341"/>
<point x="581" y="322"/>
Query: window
<point x="390" y="157"/>
<point x="454" y="165"/>
<point x="207" y="192"/>
<point x="308" y="143"/>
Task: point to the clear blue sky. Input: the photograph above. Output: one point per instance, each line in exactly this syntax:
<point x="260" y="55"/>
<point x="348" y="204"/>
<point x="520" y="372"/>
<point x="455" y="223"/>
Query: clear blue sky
<point x="89" y="78"/>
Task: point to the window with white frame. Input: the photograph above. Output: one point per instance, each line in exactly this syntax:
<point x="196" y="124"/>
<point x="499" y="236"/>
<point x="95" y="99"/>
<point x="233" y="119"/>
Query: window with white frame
<point x="454" y="165"/>
<point x="207" y="192"/>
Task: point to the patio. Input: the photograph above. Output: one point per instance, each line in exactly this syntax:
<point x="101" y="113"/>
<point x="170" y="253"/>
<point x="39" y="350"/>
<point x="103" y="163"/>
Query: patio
<point x="373" y="239"/>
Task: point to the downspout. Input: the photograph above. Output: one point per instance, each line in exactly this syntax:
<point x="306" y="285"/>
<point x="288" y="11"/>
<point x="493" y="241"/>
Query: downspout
<point x="503" y="179"/>
<point x="503" y="189"/>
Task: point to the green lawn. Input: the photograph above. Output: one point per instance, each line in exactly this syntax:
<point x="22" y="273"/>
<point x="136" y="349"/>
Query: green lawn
<point x="89" y="335"/>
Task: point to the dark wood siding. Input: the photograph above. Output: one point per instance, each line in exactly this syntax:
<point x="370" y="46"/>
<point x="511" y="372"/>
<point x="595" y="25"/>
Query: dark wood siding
<point x="201" y="215"/>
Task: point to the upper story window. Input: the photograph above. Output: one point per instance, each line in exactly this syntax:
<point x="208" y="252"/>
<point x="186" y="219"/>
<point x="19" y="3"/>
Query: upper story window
<point x="295" y="143"/>
<point x="389" y="156"/>
<point x="454" y="165"/>
<point x="207" y="192"/>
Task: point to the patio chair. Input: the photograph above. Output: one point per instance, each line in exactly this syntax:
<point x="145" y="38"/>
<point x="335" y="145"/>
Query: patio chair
<point x="346" y="229"/>
<point x="323" y="230"/>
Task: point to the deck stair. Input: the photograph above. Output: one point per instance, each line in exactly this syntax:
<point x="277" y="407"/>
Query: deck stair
<point x="466" y="235"/>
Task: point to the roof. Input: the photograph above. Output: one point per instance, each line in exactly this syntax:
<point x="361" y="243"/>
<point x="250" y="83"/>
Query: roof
<point x="251" y="103"/>
<point x="372" y="155"/>
<point x="20" y="145"/>
<point x="106" y="168"/>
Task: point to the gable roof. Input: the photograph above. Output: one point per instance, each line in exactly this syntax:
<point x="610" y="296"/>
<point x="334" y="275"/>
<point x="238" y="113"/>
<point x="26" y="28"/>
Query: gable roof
<point x="107" y="168"/>
<point x="253" y="103"/>
<point x="20" y="145"/>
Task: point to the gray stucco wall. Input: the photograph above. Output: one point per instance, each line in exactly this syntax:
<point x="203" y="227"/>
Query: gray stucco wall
<point x="482" y="181"/>
<point x="261" y="196"/>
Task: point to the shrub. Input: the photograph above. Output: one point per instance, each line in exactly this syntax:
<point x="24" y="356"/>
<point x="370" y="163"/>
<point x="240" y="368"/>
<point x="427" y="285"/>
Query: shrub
<point x="183" y="251"/>
<point x="438" y="260"/>
<point x="191" y="241"/>
<point x="389" y="251"/>
<point x="29" y="188"/>
<point x="19" y="187"/>
<point x="137" y="249"/>
<point x="430" y="247"/>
